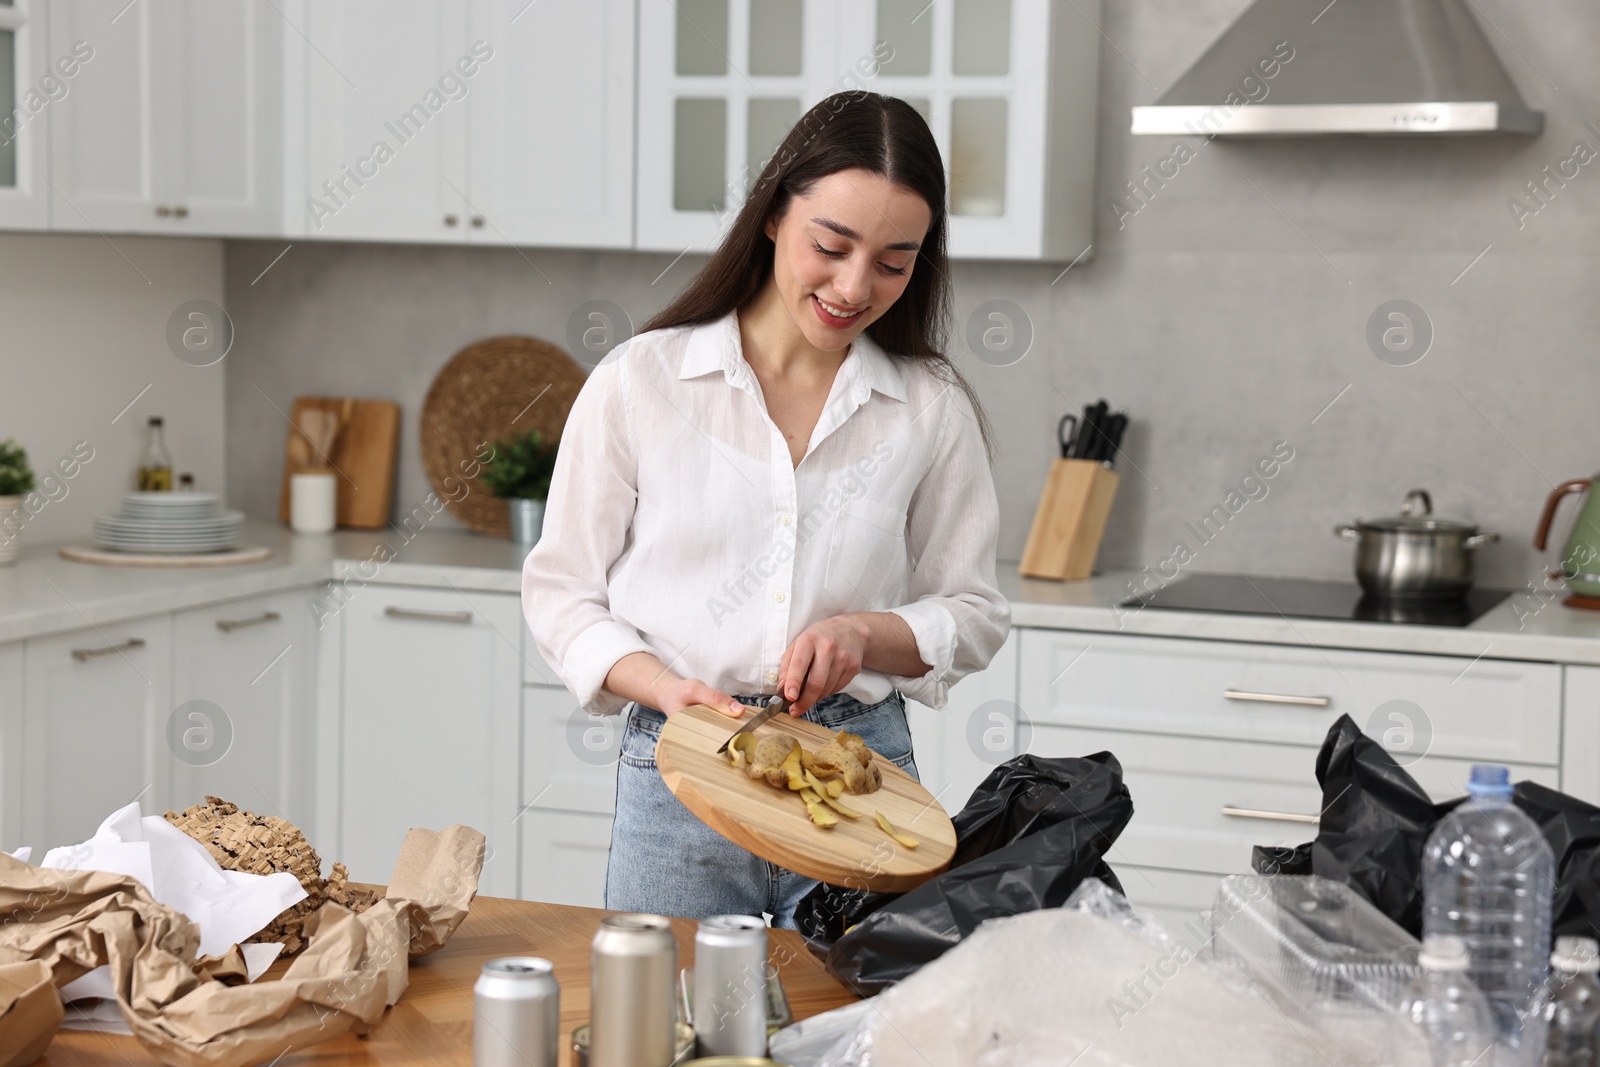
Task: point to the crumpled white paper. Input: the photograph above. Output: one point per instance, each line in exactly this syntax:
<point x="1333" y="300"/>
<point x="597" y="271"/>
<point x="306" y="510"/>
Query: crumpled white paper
<point x="228" y="906"/>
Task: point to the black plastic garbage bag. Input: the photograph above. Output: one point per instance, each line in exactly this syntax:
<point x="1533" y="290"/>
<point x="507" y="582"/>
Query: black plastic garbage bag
<point x="1035" y="828"/>
<point x="1573" y="829"/>
<point x="1376" y="820"/>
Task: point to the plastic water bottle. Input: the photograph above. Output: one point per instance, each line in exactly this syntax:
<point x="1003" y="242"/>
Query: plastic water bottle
<point x="1488" y="878"/>
<point x="1573" y="1009"/>
<point x="1448" y="1007"/>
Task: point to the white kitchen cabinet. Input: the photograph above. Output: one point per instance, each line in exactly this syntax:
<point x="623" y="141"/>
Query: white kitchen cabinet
<point x="569" y="758"/>
<point x="1008" y="88"/>
<point x="550" y="141"/>
<point x="175" y="125"/>
<point x="958" y="745"/>
<point x="471" y="121"/>
<point x="387" y="119"/>
<point x="1502" y="710"/>
<point x="1202" y="805"/>
<point x="240" y="682"/>
<point x="11" y="659"/>
<point x="564" y="857"/>
<point x="428" y="725"/>
<point x="1580" y="749"/>
<point x="721" y="82"/>
<point x="96" y="706"/>
<point x="24" y="104"/>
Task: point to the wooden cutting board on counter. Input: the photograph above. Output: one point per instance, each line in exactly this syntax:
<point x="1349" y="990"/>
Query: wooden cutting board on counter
<point x="773" y="824"/>
<point x="363" y="453"/>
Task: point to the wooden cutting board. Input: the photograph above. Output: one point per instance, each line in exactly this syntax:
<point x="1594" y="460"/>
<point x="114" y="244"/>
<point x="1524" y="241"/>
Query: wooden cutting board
<point x="773" y="824"/>
<point x="364" y="455"/>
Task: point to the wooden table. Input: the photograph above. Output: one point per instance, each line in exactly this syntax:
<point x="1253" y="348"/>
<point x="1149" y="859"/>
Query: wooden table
<point x="431" y="1026"/>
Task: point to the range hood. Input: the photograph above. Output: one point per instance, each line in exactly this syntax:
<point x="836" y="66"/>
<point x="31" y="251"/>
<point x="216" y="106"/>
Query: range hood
<point x="1308" y="67"/>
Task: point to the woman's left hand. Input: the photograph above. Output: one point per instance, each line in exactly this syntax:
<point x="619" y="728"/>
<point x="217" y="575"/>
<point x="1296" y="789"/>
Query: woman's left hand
<point x="826" y="656"/>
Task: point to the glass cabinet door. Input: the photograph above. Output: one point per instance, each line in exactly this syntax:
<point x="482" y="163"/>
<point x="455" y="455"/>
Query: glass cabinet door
<point x="24" y="103"/>
<point x="721" y="84"/>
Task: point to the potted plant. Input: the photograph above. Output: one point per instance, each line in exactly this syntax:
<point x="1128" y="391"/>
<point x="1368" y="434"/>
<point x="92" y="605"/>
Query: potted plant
<point x="520" y="473"/>
<point x="16" y="479"/>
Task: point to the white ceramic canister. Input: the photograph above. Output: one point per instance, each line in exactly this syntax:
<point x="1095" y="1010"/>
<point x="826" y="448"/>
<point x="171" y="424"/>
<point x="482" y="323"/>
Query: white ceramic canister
<point x="311" y="501"/>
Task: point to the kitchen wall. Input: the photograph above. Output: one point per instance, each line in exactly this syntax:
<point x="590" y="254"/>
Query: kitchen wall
<point x="83" y="333"/>
<point x="1227" y="309"/>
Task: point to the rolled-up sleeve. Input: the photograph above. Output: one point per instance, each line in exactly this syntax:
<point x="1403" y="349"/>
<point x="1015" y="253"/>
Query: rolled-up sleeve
<point x="958" y="617"/>
<point x="587" y="517"/>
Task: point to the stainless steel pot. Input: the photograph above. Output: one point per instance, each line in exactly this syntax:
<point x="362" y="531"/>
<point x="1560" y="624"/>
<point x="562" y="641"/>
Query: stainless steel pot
<point x="1413" y="554"/>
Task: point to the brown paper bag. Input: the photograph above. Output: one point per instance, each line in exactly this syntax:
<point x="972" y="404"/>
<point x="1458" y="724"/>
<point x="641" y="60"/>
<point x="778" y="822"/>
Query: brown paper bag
<point x="30" y="1012"/>
<point x="354" y="967"/>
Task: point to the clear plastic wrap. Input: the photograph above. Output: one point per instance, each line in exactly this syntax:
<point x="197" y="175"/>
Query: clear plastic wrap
<point x="1316" y="946"/>
<point x="1095" y="985"/>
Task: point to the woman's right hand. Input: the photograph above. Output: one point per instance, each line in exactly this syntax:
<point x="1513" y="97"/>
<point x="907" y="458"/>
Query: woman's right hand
<point x="674" y="696"/>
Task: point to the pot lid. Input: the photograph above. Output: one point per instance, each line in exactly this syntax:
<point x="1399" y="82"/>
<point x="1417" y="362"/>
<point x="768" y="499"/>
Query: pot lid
<point x="1416" y="516"/>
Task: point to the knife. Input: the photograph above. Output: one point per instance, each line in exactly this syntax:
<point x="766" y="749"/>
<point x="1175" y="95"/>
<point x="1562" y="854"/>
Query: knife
<point x="777" y="706"/>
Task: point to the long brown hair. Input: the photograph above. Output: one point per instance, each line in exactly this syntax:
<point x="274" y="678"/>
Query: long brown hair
<point x="849" y="130"/>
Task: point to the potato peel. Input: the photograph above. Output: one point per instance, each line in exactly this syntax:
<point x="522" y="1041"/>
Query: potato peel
<point x="823" y="795"/>
<point x="888" y="828"/>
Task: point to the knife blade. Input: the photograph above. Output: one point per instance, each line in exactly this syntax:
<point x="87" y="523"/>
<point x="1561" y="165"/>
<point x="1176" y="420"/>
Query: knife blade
<point x="778" y="706"/>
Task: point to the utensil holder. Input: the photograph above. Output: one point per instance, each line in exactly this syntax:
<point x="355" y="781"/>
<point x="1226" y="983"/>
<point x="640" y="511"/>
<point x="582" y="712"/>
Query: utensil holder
<point x="1073" y="508"/>
<point x="312" y="496"/>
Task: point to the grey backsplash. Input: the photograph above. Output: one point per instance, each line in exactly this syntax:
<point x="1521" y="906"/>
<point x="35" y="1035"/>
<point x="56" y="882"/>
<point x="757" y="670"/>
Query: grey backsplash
<point x="1226" y="314"/>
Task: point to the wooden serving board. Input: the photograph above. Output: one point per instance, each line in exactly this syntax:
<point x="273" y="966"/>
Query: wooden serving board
<point x="363" y="455"/>
<point x="773" y="824"/>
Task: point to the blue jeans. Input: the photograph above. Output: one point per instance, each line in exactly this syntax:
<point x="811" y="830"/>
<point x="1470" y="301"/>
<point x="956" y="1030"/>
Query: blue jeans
<point x="665" y="861"/>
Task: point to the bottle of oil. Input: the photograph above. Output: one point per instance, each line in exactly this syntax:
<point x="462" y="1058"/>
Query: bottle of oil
<point x="155" y="470"/>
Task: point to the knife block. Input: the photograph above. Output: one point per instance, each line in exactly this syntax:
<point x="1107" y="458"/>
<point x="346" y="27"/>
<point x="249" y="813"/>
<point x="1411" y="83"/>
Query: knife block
<point x="1072" y="514"/>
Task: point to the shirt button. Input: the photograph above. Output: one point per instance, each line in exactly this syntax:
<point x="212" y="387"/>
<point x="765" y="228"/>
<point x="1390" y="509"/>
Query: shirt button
<point x="772" y="676"/>
<point x="787" y="519"/>
<point x="778" y="596"/>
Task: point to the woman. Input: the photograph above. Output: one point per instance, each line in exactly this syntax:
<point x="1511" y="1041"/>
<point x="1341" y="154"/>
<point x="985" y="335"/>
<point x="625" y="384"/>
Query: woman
<point x="781" y="484"/>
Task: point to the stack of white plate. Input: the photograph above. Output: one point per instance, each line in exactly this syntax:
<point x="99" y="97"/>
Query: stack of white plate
<point x="169" y="522"/>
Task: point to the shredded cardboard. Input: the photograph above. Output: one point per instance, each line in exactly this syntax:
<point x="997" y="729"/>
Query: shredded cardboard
<point x="353" y="967"/>
<point x="265" y="844"/>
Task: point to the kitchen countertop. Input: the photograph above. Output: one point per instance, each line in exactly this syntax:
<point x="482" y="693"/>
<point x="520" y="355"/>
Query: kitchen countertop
<point x="431" y="1024"/>
<point x="43" y="593"/>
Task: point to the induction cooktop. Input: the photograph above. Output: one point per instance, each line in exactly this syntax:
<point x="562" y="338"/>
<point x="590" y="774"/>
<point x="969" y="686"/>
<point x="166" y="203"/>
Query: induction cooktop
<point x="1306" y="598"/>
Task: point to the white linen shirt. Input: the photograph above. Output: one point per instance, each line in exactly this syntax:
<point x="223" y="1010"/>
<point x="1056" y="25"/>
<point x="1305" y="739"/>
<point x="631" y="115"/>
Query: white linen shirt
<point x="677" y="524"/>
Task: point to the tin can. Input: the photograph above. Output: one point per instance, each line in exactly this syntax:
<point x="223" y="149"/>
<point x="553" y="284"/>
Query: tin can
<point x="730" y="986"/>
<point x="682" y="1041"/>
<point x="634" y="963"/>
<point x="516" y="1017"/>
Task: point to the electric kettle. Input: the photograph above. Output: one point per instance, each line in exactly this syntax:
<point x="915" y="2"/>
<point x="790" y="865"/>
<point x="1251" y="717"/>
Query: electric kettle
<point x="1580" y="560"/>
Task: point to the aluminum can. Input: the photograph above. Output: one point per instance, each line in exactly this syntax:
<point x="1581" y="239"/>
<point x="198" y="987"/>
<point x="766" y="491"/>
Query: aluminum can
<point x="730" y="986"/>
<point x="633" y="1012"/>
<point x="516" y="1016"/>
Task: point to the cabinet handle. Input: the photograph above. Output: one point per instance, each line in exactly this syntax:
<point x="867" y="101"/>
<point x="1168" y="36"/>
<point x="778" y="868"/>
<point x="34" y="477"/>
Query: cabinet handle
<point x="450" y="220"/>
<point x="477" y="220"/>
<point x="162" y="210"/>
<point x="437" y="616"/>
<point x="1278" y="698"/>
<point x="180" y="212"/>
<point x="227" y="626"/>
<point x="83" y="654"/>
<point x="1276" y="816"/>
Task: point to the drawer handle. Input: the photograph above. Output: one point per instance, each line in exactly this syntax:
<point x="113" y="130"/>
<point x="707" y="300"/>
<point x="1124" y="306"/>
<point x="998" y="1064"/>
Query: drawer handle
<point x="1276" y="816"/>
<point x="227" y="626"/>
<point x="437" y="616"/>
<point x="1278" y="698"/>
<point x="83" y="654"/>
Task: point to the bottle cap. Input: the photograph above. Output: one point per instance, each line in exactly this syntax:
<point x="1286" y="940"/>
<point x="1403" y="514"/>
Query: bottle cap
<point x="1576" y="955"/>
<point x="1443" y="952"/>
<point x="1490" y="779"/>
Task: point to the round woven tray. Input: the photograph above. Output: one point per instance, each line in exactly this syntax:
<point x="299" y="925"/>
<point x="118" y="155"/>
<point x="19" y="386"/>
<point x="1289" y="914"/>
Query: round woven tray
<point x="488" y="391"/>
